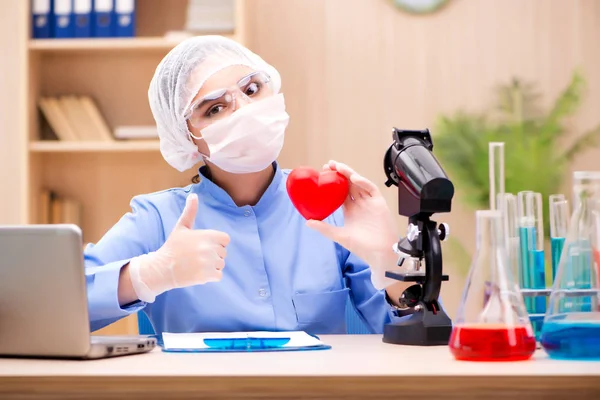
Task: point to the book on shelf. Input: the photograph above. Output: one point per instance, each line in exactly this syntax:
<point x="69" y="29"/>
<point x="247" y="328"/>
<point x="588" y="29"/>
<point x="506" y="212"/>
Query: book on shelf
<point x="210" y="16"/>
<point x="75" y="118"/>
<point x="136" y="132"/>
<point x="68" y="19"/>
<point x="57" y="209"/>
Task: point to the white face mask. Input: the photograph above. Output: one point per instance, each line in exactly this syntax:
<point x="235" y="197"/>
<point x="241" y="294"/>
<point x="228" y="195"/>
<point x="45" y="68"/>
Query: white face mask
<point x="250" y="139"/>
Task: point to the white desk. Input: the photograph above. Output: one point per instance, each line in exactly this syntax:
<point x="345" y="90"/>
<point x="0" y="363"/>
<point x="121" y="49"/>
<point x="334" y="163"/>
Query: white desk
<point x="357" y="367"/>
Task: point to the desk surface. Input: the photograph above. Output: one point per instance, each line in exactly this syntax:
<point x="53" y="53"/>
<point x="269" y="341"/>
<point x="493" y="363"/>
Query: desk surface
<point x="357" y="366"/>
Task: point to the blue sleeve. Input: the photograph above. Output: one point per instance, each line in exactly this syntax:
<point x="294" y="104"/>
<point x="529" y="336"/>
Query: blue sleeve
<point x="137" y="232"/>
<point x="369" y="303"/>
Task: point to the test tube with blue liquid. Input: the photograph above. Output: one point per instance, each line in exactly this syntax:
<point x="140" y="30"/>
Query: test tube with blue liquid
<point x="532" y="252"/>
<point x="559" y="220"/>
<point x="525" y="227"/>
<point x="536" y="254"/>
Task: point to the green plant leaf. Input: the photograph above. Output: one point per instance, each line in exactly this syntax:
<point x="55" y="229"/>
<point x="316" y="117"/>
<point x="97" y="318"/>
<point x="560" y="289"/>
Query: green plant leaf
<point x="458" y="144"/>
<point x="517" y="101"/>
<point x="587" y="140"/>
<point x="565" y="105"/>
<point x="533" y="159"/>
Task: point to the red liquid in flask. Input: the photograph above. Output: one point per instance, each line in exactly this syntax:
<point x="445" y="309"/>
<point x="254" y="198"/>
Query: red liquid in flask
<point x="492" y="343"/>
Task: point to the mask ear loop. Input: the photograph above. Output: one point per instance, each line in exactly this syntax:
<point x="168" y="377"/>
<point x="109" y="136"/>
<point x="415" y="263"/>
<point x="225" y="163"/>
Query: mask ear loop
<point x="198" y="154"/>
<point x="195" y="137"/>
<point x="190" y="136"/>
<point x="186" y="118"/>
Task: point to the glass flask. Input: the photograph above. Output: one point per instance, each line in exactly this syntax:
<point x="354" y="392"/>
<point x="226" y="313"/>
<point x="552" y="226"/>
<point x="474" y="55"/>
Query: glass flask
<point x="492" y="323"/>
<point x="571" y="327"/>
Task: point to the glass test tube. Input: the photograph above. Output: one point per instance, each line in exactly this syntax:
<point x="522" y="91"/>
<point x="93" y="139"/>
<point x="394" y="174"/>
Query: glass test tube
<point x="559" y="220"/>
<point x="525" y="225"/>
<point x="534" y="208"/>
<point x="496" y="171"/>
<point x="507" y="205"/>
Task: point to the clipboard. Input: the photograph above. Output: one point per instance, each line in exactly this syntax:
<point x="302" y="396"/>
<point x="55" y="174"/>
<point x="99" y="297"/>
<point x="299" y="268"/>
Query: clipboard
<point x="233" y="342"/>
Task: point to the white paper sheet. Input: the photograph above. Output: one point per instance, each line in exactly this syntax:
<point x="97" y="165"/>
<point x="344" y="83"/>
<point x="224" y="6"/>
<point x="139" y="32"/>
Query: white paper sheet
<point x="196" y="340"/>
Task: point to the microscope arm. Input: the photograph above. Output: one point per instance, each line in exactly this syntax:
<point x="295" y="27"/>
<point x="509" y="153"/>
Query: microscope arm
<point x="433" y="265"/>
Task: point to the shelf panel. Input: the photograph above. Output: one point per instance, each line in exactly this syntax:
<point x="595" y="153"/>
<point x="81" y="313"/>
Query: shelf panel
<point x="105" y="44"/>
<point x="56" y="146"/>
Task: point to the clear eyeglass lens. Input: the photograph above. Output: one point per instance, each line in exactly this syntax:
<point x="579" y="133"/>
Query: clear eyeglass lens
<point x="223" y="102"/>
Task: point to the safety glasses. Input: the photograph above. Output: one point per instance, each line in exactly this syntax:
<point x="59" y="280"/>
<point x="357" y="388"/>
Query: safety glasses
<point x="223" y="102"/>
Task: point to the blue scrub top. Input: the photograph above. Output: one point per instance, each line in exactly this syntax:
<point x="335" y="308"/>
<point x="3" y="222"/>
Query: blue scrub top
<point x="278" y="275"/>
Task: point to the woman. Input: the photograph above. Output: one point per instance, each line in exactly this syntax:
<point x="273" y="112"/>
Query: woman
<point x="230" y="252"/>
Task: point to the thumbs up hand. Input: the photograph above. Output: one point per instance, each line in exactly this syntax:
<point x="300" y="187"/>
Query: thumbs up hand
<point x="196" y="256"/>
<point x="188" y="257"/>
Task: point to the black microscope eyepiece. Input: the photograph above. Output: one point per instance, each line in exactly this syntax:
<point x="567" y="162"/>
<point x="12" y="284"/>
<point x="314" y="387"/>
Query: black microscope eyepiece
<point x="423" y="186"/>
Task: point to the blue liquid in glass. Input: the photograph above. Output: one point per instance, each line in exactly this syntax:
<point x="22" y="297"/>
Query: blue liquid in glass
<point x="572" y="339"/>
<point x="577" y="273"/>
<point x="556" y="244"/>
<point x="538" y="279"/>
<point x="532" y="275"/>
<point x="526" y="241"/>
<point x="585" y="270"/>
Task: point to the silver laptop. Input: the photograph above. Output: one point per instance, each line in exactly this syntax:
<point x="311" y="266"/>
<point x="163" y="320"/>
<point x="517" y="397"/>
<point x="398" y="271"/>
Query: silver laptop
<point x="43" y="300"/>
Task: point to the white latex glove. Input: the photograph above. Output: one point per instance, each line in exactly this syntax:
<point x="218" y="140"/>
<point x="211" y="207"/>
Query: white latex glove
<point x="188" y="257"/>
<point x="368" y="229"/>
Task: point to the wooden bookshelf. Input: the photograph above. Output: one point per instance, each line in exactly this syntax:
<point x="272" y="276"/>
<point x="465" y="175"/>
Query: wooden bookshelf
<point x="106" y="45"/>
<point x="102" y="176"/>
<point x="101" y="44"/>
<point x="57" y="146"/>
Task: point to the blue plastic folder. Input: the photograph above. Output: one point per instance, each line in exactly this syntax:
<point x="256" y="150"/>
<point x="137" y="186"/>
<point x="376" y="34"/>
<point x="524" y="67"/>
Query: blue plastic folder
<point x="219" y="342"/>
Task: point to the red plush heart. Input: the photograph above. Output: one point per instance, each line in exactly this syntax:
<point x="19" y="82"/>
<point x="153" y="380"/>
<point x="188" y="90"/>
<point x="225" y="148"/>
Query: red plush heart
<point x="316" y="194"/>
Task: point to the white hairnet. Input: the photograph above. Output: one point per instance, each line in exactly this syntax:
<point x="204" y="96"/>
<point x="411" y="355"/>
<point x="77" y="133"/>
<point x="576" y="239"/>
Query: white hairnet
<point x="177" y="80"/>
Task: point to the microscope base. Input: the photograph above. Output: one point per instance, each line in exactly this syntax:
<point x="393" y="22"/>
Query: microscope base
<point x="423" y="328"/>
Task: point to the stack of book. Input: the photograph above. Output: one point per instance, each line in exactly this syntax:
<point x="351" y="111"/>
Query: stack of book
<point x="56" y="209"/>
<point x="75" y="118"/>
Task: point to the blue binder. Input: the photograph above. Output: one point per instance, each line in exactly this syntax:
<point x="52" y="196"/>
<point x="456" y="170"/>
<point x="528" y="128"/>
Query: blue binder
<point x="125" y="18"/>
<point x="41" y="19"/>
<point x="82" y="9"/>
<point x="64" y="21"/>
<point x="104" y="18"/>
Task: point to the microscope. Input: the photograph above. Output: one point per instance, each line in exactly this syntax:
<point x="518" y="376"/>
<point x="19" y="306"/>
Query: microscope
<point x="423" y="189"/>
